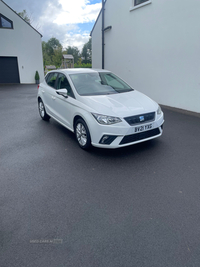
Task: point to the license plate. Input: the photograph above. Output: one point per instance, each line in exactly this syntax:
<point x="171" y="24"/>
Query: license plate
<point x="143" y="128"/>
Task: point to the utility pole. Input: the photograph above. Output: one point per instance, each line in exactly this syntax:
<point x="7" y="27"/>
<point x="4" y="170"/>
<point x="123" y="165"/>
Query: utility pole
<point x="103" y="34"/>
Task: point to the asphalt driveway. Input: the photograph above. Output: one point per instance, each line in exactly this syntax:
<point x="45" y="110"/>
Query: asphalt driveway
<point x="61" y="206"/>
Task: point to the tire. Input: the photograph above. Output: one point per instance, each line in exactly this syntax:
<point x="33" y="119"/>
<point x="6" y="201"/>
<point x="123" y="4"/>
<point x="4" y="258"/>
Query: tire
<point x="82" y="134"/>
<point x="42" y="111"/>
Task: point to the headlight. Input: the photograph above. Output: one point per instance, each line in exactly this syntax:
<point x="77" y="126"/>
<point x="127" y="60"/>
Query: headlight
<point x="106" y="120"/>
<point x="159" y="110"/>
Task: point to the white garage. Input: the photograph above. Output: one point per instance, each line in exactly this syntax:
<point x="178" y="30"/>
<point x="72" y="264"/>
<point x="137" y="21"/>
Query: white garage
<point x="20" y="48"/>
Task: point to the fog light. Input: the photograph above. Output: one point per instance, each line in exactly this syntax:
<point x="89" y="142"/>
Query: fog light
<point x="107" y="139"/>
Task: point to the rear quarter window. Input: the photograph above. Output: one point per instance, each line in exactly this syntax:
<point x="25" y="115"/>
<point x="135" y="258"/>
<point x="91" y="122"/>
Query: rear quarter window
<point x="51" y="79"/>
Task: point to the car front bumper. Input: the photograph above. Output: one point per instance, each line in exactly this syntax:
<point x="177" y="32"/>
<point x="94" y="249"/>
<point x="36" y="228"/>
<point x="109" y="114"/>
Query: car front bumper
<point x="122" y="134"/>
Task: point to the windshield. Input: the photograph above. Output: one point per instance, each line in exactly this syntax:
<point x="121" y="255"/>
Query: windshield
<point x="101" y="83"/>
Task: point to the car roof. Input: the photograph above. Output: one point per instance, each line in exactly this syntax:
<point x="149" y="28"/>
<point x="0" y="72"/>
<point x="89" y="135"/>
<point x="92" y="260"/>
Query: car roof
<point x="78" y="70"/>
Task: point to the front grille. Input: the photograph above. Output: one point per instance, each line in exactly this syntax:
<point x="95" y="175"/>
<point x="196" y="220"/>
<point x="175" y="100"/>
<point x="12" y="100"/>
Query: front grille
<point x="142" y="118"/>
<point x="139" y="136"/>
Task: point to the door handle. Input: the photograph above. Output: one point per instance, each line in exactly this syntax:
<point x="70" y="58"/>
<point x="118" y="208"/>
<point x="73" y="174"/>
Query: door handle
<point x="53" y="97"/>
<point x="43" y="91"/>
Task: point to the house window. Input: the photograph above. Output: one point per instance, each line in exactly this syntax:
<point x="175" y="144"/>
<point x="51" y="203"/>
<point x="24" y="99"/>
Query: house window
<point x="5" y="22"/>
<point x="139" y="3"/>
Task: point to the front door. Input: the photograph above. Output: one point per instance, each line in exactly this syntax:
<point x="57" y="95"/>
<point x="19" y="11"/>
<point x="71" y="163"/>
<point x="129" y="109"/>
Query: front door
<point x="64" y="107"/>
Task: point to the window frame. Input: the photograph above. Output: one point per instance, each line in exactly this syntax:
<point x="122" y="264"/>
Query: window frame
<point x="136" y="6"/>
<point x="10" y="21"/>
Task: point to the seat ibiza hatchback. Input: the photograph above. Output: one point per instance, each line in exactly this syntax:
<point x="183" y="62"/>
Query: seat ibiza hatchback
<point x="99" y="107"/>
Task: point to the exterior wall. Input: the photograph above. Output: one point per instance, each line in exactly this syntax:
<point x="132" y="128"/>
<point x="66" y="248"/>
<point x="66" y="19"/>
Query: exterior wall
<point x="155" y="48"/>
<point x="97" y="44"/>
<point x="24" y="43"/>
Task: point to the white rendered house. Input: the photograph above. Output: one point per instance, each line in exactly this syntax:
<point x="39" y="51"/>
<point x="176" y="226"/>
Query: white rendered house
<point x="20" y="48"/>
<point x="155" y="46"/>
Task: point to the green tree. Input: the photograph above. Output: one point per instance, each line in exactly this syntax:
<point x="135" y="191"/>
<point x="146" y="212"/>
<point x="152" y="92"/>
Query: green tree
<point x="54" y="43"/>
<point x="57" y="57"/>
<point x="46" y="56"/>
<point x="52" y="52"/>
<point x="87" y="52"/>
<point x="25" y="16"/>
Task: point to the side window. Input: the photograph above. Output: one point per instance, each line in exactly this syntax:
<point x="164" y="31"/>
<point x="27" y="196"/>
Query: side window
<point x="5" y="22"/>
<point x="51" y="79"/>
<point x="63" y="83"/>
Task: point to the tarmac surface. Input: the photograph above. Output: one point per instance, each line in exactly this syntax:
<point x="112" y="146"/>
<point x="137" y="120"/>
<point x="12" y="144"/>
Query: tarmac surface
<point x="61" y="206"/>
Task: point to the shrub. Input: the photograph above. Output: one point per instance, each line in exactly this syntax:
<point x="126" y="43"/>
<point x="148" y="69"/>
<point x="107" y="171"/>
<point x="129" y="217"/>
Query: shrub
<point x="37" y="77"/>
<point x="83" y="65"/>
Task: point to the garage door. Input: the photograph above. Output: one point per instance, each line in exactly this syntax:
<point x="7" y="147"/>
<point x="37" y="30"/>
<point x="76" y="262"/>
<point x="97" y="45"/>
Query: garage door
<point x="9" y="72"/>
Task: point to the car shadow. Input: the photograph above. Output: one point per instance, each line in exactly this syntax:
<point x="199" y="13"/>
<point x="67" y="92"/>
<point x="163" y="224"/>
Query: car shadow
<point x="126" y="151"/>
<point x="69" y="140"/>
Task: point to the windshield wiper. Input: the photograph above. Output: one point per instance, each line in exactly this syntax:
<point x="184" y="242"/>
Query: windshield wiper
<point x="111" y="93"/>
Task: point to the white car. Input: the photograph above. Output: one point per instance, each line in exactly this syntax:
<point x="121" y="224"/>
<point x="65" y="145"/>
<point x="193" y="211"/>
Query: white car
<point x="99" y="107"/>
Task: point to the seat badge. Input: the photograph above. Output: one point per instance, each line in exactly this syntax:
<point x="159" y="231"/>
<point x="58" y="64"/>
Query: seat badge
<point x="141" y="118"/>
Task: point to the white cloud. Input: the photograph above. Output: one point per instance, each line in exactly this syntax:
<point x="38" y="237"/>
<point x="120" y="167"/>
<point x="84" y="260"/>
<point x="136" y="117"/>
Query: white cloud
<point x="77" y="40"/>
<point x="73" y="12"/>
<point x="59" y="19"/>
<point x="68" y="35"/>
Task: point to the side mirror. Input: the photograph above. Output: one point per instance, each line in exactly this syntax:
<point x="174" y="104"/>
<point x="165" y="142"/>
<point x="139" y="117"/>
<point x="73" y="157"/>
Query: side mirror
<point x="62" y="92"/>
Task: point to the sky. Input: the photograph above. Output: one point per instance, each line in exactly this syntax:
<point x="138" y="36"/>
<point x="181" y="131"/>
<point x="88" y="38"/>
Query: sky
<point x="70" y="21"/>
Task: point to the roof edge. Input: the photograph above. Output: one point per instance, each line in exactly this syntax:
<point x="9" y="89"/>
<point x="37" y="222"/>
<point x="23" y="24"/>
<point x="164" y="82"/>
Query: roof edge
<point x="21" y="18"/>
<point x="97" y="19"/>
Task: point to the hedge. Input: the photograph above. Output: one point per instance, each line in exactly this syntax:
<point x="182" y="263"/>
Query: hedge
<point x="83" y="65"/>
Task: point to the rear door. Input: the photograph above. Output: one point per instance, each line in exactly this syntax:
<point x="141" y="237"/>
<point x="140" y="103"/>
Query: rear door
<point x="49" y="92"/>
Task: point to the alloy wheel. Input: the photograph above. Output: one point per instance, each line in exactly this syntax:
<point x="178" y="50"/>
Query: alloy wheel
<point x="81" y="134"/>
<point x="41" y="109"/>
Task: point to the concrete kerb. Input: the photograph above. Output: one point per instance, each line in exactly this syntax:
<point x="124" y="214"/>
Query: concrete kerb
<point x="183" y="111"/>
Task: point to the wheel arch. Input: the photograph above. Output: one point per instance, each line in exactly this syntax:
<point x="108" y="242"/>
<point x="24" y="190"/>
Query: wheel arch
<point x="39" y="98"/>
<point x="46" y="115"/>
<point x="75" y="119"/>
